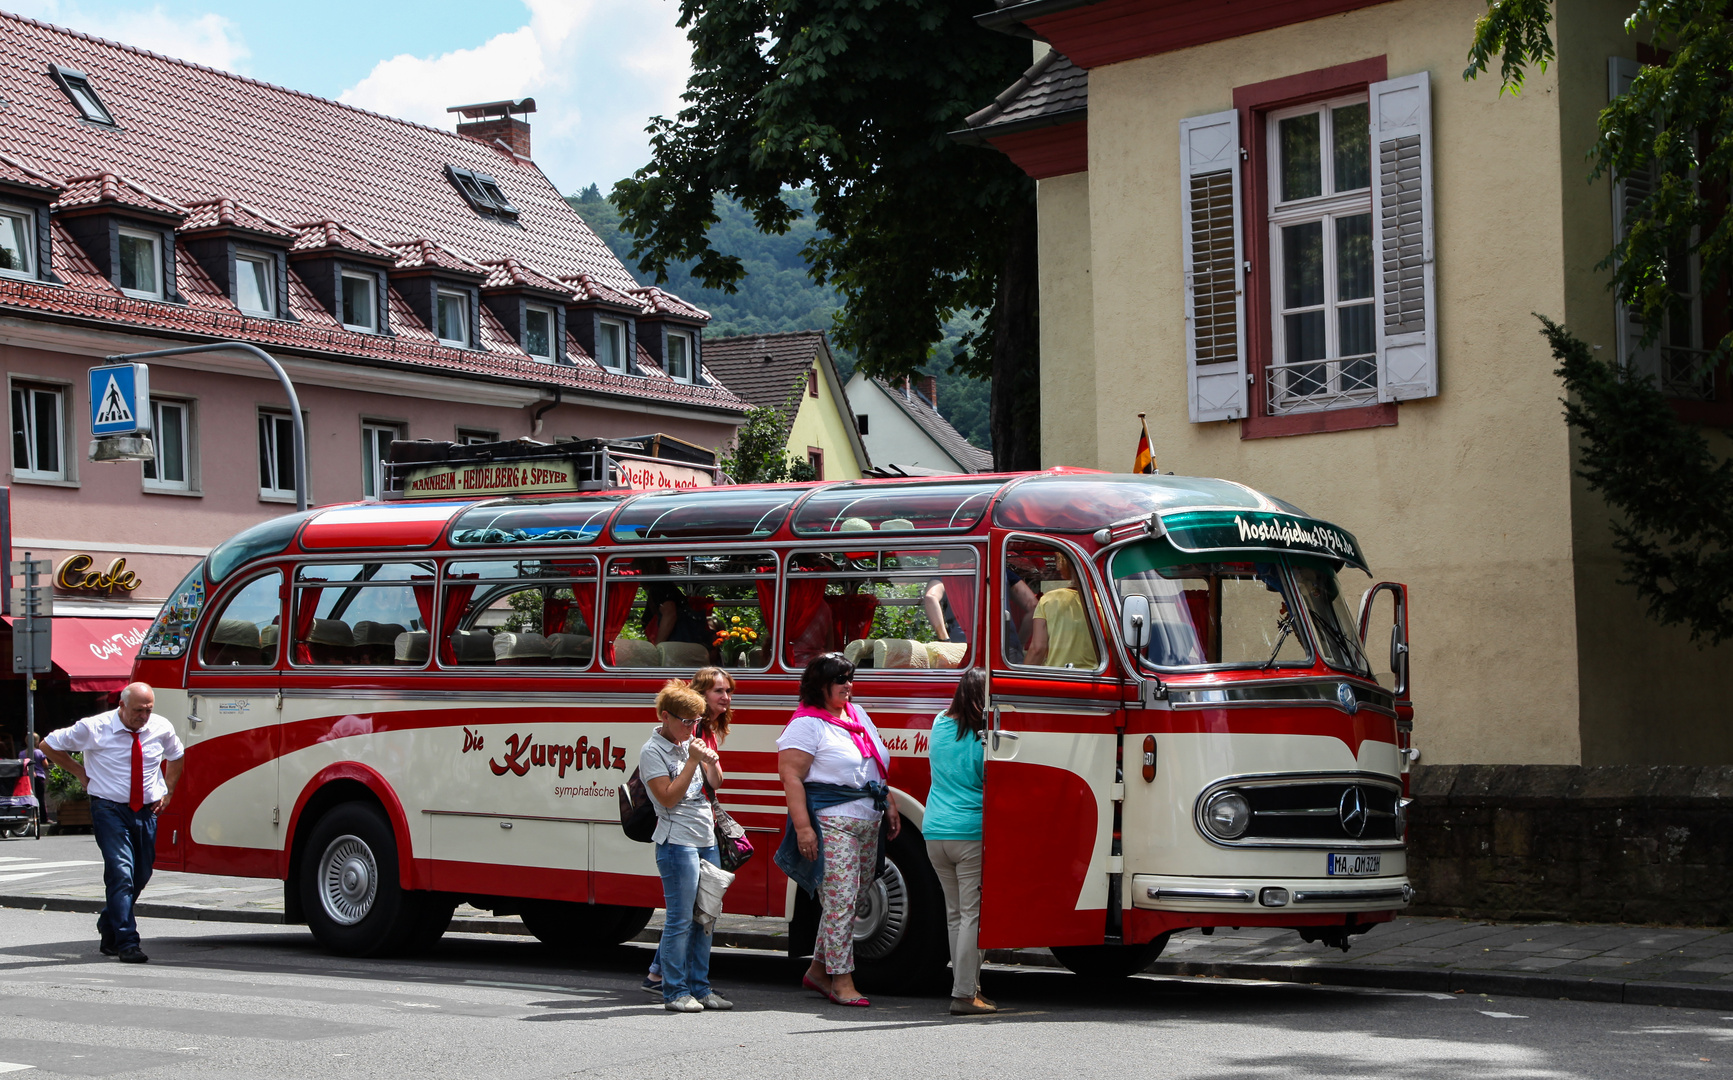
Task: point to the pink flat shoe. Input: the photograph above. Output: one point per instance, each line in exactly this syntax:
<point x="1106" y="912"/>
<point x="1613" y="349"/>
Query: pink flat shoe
<point x="857" y="1003"/>
<point x="807" y="982"/>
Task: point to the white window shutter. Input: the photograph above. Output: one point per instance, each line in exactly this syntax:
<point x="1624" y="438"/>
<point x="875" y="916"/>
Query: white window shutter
<point x="1215" y="316"/>
<point x="1407" y="295"/>
<point x="1629" y="193"/>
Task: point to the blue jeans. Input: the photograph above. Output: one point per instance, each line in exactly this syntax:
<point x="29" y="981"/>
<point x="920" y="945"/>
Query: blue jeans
<point x="128" y="844"/>
<point x="685" y="949"/>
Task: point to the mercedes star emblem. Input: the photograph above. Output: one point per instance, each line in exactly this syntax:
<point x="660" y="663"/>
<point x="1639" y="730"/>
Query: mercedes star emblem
<point x="1345" y="695"/>
<point x="1353" y="811"/>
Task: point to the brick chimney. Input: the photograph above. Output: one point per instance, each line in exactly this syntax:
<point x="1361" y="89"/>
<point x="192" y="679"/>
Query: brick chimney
<point x="491" y="120"/>
<point x="928" y="387"/>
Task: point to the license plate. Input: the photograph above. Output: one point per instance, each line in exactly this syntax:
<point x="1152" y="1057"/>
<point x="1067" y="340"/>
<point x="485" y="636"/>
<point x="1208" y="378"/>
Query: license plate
<point x="1353" y="865"/>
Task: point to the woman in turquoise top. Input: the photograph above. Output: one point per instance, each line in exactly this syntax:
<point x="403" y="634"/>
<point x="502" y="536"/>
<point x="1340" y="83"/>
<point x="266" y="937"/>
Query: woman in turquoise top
<point x="952" y="825"/>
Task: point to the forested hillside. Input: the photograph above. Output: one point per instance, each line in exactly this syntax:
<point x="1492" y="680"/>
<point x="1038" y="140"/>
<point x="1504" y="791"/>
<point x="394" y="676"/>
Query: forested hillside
<point x="778" y="296"/>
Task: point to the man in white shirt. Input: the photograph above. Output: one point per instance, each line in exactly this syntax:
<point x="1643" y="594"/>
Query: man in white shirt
<point x="132" y="762"/>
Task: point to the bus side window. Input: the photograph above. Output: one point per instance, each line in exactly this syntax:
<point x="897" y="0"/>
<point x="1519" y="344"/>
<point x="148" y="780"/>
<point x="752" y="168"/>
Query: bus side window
<point x="1055" y="632"/>
<point x="889" y="609"/>
<point x="359" y="613"/>
<point x="532" y="612"/>
<point x="688" y="611"/>
<point x="245" y="632"/>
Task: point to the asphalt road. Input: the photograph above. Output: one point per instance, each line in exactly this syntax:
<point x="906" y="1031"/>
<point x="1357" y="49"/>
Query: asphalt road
<point x="237" y="1001"/>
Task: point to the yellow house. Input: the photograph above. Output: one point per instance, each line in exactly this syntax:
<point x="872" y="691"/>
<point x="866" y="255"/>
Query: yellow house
<point x="1306" y="247"/>
<point x="796" y="374"/>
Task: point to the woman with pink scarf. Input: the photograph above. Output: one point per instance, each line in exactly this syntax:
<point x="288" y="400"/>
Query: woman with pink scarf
<point x="834" y="769"/>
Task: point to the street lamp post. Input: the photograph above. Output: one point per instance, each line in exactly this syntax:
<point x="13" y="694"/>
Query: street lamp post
<point x="300" y="449"/>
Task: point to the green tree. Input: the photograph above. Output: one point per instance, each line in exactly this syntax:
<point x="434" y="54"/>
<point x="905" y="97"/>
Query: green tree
<point x="1674" y="498"/>
<point x="854" y="99"/>
<point x="759" y="453"/>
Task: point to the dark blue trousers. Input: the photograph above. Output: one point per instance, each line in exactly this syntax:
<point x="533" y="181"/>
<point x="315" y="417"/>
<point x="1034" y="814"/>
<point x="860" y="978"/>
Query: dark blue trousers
<point x="128" y="843"/>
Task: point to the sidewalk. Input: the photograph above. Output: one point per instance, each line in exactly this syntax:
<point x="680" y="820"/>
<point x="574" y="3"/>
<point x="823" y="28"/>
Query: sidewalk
<point x="1690" y="967"/>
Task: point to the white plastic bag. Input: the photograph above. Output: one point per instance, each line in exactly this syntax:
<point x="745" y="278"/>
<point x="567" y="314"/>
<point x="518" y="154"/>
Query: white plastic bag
<point x="713" y="882"/>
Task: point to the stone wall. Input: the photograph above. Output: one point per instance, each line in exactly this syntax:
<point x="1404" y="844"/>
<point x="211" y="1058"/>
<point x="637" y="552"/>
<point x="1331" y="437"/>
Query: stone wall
<point x="1612" y="843"/>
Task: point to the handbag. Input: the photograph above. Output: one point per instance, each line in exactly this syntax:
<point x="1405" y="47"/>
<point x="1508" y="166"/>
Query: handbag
<point x="637" y="815"/>
<point x="707" y="903"/>
<point x="732" y="846"/>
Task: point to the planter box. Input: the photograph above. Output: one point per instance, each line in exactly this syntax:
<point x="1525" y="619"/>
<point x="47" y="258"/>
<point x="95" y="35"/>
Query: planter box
<point x="76" y="812"/>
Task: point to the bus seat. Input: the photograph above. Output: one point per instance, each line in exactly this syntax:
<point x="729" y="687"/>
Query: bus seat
<point x="852" y="651"/>
<point x="329" y="641"/>
<point x="635" y="652"/>
<point x="472" y="646"/>
<point x="896" y="525"/>
<point x="375" y="642"/>
<point x="758" y="659"/>
<point x="683" y="654"/>
<point x="570" y="650"/>
<point x="899" y="653"/>
<point x="268" y="638"/>
<point x="946" y="654"/>
<point x="410" y="648"/>
<point x="234" y="641"/>
<point x="521" y="650"/>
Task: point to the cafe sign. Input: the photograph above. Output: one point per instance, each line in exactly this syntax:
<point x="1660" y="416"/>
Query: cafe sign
<point x="79" y="574"/>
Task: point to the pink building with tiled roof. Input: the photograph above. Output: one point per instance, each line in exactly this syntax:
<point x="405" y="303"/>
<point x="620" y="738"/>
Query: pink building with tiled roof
<point x="416" y="283"/>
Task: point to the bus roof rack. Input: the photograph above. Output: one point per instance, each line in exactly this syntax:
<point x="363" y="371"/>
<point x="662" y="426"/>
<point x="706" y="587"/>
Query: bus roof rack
<point x="428" y="469"/>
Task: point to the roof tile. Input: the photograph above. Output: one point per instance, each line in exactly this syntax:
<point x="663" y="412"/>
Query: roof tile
<point x="15" y="172"/>
<point x="920" y="410"/>
<point x="105" y="187"/>
<point x="1052" y="88"/>
<point x="227" y="213"/>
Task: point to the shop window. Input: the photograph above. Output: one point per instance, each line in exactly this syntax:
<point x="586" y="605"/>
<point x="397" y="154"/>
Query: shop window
<point x="38" y="432"/>
<point x="373" y="614"/>
<point x="689" y="611"/>
<point x="891" y="609"/>
<point x="171" y="435"/>
<point x="376" y="440"/>
<point x="1048" y="622"/>
<point x="519" y="613"/>
<point x="247" y="631"/>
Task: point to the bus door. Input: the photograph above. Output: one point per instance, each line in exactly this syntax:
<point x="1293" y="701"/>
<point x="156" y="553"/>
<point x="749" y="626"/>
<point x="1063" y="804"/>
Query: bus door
<point x="233" y="717"/>
<point x="1054" y="711"/>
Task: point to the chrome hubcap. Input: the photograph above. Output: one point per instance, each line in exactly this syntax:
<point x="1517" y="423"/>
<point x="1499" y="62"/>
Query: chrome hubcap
<point x="881" y="915"/>
<point x="348" y="880"/>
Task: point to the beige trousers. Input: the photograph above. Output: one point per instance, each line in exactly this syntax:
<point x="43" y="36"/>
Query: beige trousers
<point x="958" y="864"/>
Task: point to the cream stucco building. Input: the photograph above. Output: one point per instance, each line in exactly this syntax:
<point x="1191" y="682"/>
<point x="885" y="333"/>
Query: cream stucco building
<point x="1310" y="251"/>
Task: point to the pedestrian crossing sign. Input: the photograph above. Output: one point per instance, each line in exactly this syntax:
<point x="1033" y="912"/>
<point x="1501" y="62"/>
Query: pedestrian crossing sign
<point x="120" y="400"/>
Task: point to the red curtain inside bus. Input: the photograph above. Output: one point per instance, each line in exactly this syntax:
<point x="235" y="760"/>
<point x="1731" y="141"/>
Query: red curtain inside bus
<point x="617" y="609"/>
<point x="853" y="614"/>
<point x="960" y="591"/>
<point x="807" y="635"/>
<point x="456" y="603"/>
<point x="766" y="608"/>
<point x="308" y="604"/>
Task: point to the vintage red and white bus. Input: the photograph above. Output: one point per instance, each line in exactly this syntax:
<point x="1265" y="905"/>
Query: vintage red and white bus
<point x="395" y="707"/>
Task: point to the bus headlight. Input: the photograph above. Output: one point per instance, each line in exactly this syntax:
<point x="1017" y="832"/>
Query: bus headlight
<point x="1227" y="815"/>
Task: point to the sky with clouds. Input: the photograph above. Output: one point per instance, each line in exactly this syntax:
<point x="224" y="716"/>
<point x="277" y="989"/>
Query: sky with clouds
<point x="598" y="69"/>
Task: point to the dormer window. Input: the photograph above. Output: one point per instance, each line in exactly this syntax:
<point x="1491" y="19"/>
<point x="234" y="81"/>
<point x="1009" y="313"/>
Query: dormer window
<point x="538" y="338"/>
<point x="140" y="264"/>
<point x="17" y="242"/>
<point x="76" y="85"/>
<point x="359" y="311"/>
<point x="481" y="191"/>
<point x="254" y="276"/>
<point x="451" y="316"/>
<point x="679" y="359"/>
<point x="611" y="345"/>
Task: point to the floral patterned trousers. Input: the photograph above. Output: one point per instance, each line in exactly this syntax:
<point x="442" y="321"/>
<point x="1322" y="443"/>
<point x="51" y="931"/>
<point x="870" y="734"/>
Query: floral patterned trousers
<point x="850" y="849"/>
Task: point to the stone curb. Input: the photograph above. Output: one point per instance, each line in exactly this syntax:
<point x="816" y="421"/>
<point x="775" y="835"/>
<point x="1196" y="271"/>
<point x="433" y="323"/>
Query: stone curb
<point x="1426" y="980"/>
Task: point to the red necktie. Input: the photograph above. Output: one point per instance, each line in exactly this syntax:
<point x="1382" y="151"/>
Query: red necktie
<point x="137" y="799"/>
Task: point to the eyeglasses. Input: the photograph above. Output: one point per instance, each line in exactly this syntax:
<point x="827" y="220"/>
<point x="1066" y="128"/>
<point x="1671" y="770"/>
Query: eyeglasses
<point x="685" y="719"/>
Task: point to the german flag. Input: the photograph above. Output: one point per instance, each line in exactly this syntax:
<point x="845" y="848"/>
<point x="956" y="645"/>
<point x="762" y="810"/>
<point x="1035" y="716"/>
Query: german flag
<point x="1145" y="462"/>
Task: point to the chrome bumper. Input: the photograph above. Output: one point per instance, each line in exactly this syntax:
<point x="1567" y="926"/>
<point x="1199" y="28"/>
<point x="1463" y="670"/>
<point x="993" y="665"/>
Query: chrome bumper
<point x="1163" y="893"/>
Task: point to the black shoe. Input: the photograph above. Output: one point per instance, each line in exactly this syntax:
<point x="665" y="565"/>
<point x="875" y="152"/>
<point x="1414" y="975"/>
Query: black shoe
<point x="109" y="948"/>
<point x="134" y="955"/>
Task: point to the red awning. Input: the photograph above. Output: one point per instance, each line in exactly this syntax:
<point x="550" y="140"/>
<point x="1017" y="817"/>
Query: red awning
<point x="96" y="655"/>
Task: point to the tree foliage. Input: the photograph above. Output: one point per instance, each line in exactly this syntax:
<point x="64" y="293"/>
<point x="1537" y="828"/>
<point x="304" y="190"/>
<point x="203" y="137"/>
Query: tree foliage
<point x="1675" y="499"/>
<point x="854" y="100"/>
<point x="759" y="454"/>
<point x="1674" y="124"/>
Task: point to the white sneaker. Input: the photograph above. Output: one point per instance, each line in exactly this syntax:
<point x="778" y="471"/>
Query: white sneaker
<point x="716" y="1002"/>
<point x="685" y="1003"/>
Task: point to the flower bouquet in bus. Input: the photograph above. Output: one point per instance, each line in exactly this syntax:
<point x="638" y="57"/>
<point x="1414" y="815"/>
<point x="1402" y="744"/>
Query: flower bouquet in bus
<point x="736" y="642"/>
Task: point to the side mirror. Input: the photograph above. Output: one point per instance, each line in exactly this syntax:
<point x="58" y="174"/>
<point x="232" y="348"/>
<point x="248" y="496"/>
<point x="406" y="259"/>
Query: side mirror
<point x="1134" y="621"/>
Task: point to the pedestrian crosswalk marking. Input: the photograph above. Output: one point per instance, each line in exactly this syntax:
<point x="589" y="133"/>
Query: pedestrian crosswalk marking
<point x="8" y="1066"/>
<point x="34" y="865"/>
<point x="9" y="878"/>
<point x="114" y="407"/>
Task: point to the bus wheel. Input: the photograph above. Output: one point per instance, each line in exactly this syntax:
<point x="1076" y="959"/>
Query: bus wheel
<point x="899" y="926"/>
<point x="582" y="928"/>
<point x="431" y="923"/>
<point x="1109" y="961"/>
<point x="354" y="903"/>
